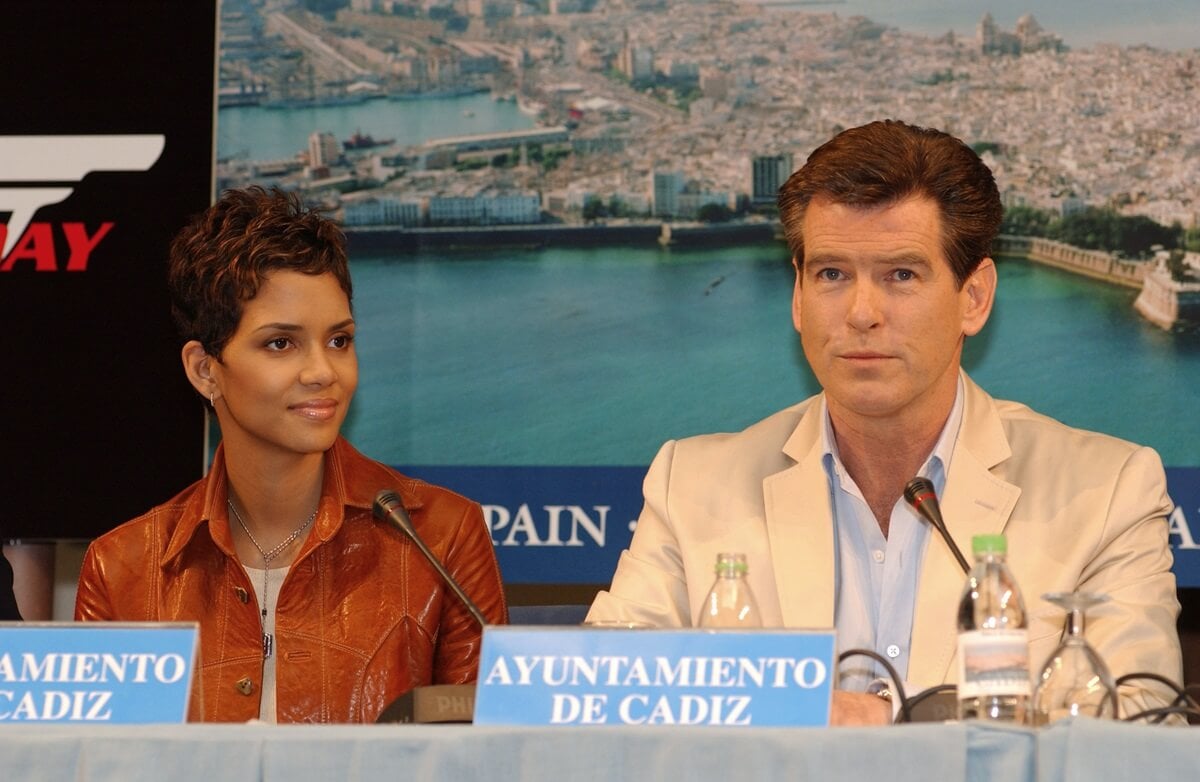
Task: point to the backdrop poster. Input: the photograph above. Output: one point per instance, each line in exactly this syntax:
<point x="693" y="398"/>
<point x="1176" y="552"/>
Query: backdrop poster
<point x="564" y="247"/>
<point x="106" y="146"/>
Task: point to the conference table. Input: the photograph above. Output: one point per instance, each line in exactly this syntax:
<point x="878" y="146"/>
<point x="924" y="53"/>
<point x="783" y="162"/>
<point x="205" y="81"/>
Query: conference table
<point x="1075" y="750"/>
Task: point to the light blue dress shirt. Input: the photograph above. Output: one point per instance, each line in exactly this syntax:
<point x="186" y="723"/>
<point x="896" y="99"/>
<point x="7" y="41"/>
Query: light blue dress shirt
<point x="876" y="577"/>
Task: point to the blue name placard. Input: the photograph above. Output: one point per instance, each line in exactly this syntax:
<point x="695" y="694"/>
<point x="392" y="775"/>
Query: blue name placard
<point x="594" y="676"/>
<point x="96" y="671"/>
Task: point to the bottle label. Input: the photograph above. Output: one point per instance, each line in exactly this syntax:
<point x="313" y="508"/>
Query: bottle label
<point x="993" y="662"/>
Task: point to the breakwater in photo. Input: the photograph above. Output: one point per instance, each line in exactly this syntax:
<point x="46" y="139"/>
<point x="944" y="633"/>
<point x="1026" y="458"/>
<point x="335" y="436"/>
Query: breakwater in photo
<point x="640" y="234"/>
<point x="1097" y="264"/>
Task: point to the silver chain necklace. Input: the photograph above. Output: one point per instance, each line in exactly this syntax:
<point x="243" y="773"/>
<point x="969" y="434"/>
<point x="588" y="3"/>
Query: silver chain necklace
<point x="268" y="640"/>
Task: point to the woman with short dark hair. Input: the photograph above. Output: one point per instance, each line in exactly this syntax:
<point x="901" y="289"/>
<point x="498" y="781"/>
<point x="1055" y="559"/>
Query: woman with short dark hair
<point x="310" y="610"/>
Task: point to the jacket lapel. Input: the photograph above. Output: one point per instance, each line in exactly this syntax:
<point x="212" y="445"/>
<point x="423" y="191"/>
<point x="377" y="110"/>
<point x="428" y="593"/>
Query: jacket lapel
<point x="975" y="502"/>
<point x="800" y="528"/>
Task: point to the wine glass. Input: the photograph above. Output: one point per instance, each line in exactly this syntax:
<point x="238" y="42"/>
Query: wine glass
<point x="1074" y="681"/>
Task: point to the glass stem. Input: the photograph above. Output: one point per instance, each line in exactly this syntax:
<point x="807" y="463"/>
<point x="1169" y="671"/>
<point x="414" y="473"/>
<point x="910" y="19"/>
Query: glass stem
<point x="1075" y="622"/>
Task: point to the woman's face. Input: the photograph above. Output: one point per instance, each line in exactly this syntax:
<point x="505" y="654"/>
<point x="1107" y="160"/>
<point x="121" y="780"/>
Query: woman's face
<point x="286" y="376"/>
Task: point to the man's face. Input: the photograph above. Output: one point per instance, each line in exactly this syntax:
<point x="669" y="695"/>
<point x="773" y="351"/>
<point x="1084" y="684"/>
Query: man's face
<point x="880" y="316"/>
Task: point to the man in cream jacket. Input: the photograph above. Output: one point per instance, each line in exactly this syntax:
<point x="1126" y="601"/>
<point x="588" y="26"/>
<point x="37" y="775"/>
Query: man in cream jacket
<point x="890" y="228"/>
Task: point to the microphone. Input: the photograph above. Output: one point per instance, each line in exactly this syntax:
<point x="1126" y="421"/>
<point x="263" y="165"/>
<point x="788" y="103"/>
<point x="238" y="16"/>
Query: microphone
<point x="920" y="494"/>
<point x="389" y="509"/>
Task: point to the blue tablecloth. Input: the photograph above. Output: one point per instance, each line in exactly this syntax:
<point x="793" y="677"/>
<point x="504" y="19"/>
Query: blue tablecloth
<point x="1082" y="750"/>
<point x="1090" y="750"/>
<point x="207" y="753"/>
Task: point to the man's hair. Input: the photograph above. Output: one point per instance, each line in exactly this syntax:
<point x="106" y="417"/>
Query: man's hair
<point x="223" y="255"/>
<point x="884" y="162"/>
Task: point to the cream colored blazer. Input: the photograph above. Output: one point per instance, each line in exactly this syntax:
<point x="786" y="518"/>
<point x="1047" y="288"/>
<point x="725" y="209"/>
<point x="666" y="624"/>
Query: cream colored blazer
<point x="1081" y="510"/>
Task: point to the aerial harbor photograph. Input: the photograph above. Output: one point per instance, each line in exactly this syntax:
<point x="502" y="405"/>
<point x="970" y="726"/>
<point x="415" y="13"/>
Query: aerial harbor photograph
<point x="561" y="213"/>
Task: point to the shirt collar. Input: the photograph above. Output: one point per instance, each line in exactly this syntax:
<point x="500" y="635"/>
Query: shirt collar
<point x="934" y="467"/>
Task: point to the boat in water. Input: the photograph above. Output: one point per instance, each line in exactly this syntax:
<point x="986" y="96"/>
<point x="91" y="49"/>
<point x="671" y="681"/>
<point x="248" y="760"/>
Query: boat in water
<point x="364" y="141"/>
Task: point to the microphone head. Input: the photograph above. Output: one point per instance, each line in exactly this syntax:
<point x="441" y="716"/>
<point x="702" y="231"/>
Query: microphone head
<point x="385" y="502"/>
<point x="918" y="490"/>
<point x="920" y="494"/>
<point x="390" y="510"/>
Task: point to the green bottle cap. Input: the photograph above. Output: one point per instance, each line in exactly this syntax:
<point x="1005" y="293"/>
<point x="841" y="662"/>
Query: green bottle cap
<point x="989" y="544"/>
<point x="731" y="564"/>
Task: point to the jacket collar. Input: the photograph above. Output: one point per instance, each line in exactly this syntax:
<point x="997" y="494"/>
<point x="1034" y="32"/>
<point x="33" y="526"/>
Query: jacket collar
<point x="799" y="520"/>
<point x="350" y="482"/>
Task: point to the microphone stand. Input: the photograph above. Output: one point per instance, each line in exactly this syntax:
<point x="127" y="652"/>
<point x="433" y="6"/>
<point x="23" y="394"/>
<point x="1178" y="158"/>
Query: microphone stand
<point x="389" y="509"/>
<point x="437" y="702"/>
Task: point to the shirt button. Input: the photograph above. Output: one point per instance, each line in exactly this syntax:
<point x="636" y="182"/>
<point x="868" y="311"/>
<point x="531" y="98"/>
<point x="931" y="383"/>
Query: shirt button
<point x="893" y="651"/>
<point x="241" y="594"/>
<point x="244" y="686"/>
<point x="877" y="555"/>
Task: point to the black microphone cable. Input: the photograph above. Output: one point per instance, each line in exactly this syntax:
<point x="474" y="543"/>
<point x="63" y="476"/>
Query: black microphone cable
<point x="1185" y="698"/>
<point x="1183" y="704"/>
<point x="924" y="695"/>
<point x="1162" y="713"/>
<point x="907" y="704"/>
<point x="897" y="686"/>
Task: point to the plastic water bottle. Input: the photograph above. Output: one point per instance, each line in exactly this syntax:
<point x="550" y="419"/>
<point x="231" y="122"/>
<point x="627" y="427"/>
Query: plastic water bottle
<point x="730" y="602"/>
<point x="993" y="643"/>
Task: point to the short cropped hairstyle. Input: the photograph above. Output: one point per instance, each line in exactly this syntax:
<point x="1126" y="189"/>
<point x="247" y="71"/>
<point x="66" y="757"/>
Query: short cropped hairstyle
<point x="219" y="260"/>
<point x="884" y="162"/>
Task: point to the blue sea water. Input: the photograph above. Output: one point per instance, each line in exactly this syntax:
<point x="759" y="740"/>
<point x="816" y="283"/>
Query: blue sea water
<point x="577" y="356"/>
<point x="260" y="133"/>
<point x="567" y="356"/>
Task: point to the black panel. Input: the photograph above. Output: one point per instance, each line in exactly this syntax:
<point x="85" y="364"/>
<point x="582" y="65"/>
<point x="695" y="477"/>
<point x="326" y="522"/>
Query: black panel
<point x="98" y="421"/>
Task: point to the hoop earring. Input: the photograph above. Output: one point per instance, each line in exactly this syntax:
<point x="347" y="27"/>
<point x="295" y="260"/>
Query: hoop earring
<point x="211" y="400"/>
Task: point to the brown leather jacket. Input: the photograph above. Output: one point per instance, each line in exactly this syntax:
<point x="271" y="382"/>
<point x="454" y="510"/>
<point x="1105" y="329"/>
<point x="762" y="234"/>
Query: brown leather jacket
<point x="362" y="617"/>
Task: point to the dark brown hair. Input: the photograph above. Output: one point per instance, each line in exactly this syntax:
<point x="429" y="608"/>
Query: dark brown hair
<point x="219" y="260"/>
<point x="884" y="162"/>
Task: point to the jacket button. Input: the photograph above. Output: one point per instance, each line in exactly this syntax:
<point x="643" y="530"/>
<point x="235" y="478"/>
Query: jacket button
<point x="244" y="686"/>
<point x="242" y="594"/>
